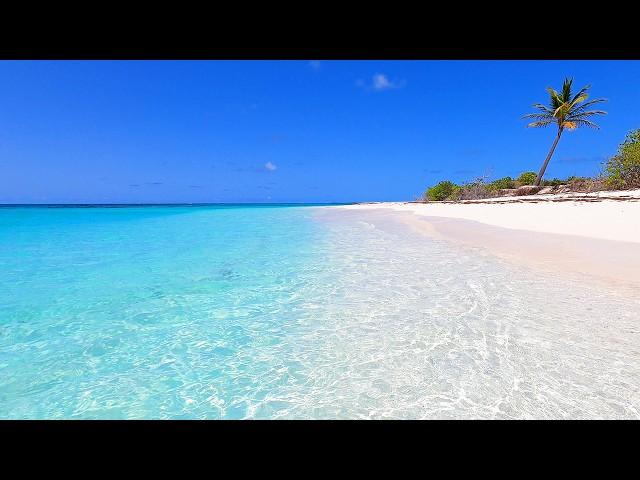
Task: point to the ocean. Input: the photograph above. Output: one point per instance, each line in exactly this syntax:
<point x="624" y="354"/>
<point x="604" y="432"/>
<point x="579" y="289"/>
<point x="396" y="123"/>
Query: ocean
<point x="288" y="311"/>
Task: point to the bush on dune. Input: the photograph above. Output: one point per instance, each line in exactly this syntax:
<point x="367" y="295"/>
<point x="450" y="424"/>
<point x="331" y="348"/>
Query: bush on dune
<point x="445" y="190"/>
<point x="527" y="178"/>
<point x="502" y="183"/>
<point x="476" y="189"/>
<point x="585" y="184"/>
<point x="554" y="182"/>
<point x="479" y="188"/>
<point x="622" y="171"/>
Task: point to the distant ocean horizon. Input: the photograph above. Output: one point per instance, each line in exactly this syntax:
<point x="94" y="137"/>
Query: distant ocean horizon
<point x="178" y="204"/>
<point x="234" y="311"/>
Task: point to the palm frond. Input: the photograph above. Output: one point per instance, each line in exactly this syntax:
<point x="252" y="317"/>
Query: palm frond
<point x="578" y="99"/>
<point x="590" y="113"/>
<point x="543" y="108"/>
<point x="581" y="96"/>
<point x="566" y="89"/>
<point x="542" y="123"/>
<point x="584" y="106"/>
<point x="562" y="111"/>
<point x="556" y="101"/>
<point x="593" y="102"/>
<point x="539" y="116"/>
<point x="584" y="123"/>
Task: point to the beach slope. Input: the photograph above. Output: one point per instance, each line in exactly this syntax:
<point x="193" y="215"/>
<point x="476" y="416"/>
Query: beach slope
<point x="593" y="234"/>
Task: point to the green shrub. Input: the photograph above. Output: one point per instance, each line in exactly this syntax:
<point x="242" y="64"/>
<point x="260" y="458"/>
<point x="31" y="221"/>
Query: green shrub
<point x="527" y="178"/>
<point x="443" y="191"/>
<point x="554" y="182"/>
<point x="455" y="194"/>
<point x="623" y="169"/>
<point x="502" y="183"/>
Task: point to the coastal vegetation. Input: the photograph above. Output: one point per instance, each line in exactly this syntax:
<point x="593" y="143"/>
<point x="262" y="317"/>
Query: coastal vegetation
<point x="623" y="169"/>
<point x="567" y="111"/>
<point x="625" y="174"/>
<point x="480" y="187"/>
<point x="620" y="172"/>
<point x="527" y="178"/>
<point x="445" y="190"/>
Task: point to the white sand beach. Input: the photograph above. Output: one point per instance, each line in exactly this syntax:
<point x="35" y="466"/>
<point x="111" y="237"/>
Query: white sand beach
<point x="596" y="234"/>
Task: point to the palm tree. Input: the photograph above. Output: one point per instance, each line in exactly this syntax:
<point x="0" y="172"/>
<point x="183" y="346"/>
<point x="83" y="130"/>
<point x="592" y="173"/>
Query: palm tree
<point x="567" y="111"/>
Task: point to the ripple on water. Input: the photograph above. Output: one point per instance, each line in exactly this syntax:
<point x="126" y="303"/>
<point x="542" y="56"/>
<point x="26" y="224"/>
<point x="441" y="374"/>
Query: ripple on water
<point x="286" y="313"/>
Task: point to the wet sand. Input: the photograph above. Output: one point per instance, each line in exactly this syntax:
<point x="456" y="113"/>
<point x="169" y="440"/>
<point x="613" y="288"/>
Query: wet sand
<point x="616" y="263"/>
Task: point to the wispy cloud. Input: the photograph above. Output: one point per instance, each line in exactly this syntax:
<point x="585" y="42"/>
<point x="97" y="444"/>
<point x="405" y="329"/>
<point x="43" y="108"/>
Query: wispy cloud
<point x="256" y="168"/>
<point x="315" y="65"/>
<point x="145" y="184"/>
<point x="380" y="82"/>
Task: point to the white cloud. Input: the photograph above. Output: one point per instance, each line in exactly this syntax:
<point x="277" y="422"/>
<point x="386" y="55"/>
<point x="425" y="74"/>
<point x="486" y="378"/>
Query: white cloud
<point x="270" y="166"/>
<point x="380" y="82"/>
<point x="315" y="64"/>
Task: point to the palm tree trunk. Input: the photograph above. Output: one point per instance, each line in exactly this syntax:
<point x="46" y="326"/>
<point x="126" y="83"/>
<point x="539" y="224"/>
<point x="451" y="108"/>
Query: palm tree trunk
<point x="546" y="162"/>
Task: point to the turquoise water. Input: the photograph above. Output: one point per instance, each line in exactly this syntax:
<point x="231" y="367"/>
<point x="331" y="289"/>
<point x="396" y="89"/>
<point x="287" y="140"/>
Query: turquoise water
<point x="294" y="312"/>
<point x="129" y="312"/>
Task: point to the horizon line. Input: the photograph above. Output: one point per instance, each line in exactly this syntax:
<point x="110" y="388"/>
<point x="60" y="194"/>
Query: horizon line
<point x="177" y="204"/>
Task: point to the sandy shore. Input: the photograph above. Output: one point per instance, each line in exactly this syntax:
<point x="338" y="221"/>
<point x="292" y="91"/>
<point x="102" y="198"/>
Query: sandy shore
<point x="596" y="235"/>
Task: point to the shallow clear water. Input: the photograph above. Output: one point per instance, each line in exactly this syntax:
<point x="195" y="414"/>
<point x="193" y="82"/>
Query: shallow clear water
<point x="294" y="312"/>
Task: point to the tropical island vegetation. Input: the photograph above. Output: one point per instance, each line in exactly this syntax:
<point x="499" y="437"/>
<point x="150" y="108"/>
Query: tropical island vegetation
<point x="567" y="111"/>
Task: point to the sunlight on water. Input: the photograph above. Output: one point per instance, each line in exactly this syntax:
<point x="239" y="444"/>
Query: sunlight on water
<point x="265" y="312"/>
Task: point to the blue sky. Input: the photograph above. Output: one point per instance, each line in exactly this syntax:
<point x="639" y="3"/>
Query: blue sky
<point x="288" y="131"/>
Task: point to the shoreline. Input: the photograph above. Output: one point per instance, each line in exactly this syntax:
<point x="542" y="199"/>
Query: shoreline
<point x="594" y="215"/>
<point x="598" y="240"/>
